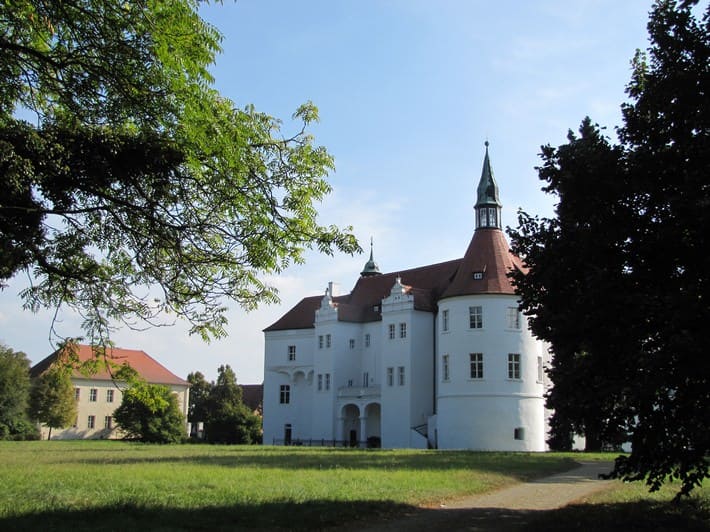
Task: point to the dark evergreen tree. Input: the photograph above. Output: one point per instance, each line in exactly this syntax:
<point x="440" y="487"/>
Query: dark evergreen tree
<point x="229" y="420"/>
<point x="619" y="279"/>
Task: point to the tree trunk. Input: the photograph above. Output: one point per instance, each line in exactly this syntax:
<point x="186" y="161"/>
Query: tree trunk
<point x="49" y="435"/>
<point x="593" y="441"/>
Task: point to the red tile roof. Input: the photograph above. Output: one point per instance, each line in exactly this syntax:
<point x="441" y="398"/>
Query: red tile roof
<point x="146" y="366"/>
<point x="488" y="253"/>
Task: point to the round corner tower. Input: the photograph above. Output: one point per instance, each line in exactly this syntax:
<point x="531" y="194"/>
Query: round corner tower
<point x="489" y="367"/>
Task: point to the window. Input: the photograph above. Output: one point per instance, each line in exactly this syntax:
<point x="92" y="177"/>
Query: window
<point x="519" y="433"/>
<point x="320" y="382"/>
<point x="108" y="422"/>
<point x="77" y="393"/>
<point x="540" y="370"/>
<point x="93" y="394"/>
<point x="365" y="379"/>
<point x="390" y="376"/>
<point x="513" y="366"/>
<point x="492" y="217"/>
<point x="477" y="276"/>
<point x="402" y="330"/>
<point x="327" y="341"/>
<point x="391" y="331"/>
<point x="400" y="376"/>
<point x="285" y="394"/>
<point x="292" y="352"/>
<point x="445" y="320"/>
<point x="367" y="340"/>
<point x="109" y="396"/>
<point x="476" y="362"/>
<point x="513" y="318"/>
<point x="327" y="381"/>
<point x="352" y="343"/>
<point x="91" y="422"/>
<point x="475" y="317"/>
<point x="320" y="341"/>
<point x="287" y="434"/>
<point x="445" y="367"/>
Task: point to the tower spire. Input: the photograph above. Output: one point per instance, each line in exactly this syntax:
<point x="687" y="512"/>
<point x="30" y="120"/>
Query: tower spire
<point x="371" y="267"/>
<point x="488" y="205"/>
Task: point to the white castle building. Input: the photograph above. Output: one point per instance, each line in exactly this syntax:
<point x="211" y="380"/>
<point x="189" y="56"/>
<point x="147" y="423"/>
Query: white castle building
<point x="437" y="356"/>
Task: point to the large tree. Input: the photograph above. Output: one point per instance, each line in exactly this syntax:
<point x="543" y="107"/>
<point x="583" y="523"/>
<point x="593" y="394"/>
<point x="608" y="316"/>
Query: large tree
<point x="199" y="394"/>
<point x="150" y="413"/>
<point x="619" y="280"/>
<point x="14" y="394"/>
<point x="135" y="189"/>
<point x="229" y="420"/>
<point x="52" y="400"/>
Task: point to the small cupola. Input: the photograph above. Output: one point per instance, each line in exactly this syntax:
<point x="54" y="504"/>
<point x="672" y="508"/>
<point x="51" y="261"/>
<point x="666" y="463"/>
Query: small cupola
<point x="488" y="205"/>
<point x="371" y="268"/>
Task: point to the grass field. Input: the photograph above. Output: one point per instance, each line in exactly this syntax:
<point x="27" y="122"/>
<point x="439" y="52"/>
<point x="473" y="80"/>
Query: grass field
<point x="104" y="485"/>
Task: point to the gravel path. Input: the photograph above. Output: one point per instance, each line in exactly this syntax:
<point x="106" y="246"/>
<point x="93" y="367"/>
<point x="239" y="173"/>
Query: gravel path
<point x="506" y="509"/>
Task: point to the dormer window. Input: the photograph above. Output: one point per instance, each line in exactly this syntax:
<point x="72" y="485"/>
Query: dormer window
<point x="477" y="276"/>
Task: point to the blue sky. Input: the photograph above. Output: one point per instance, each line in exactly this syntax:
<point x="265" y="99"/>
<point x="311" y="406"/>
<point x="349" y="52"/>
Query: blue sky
<point x="408" y="91"/>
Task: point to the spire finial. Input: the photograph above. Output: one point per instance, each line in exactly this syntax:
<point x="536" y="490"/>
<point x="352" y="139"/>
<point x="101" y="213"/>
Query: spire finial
<point x="486" y="143"/>
<point x="371" y="267"/>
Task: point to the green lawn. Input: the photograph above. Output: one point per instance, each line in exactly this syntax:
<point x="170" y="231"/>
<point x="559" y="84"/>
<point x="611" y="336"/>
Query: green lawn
<point x="104" y="485"/>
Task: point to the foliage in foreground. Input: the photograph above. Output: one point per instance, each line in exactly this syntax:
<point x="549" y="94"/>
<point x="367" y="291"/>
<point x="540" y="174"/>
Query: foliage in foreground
<point x="52" y="400"/>
<point x="135" y="189"/>
<point x="619" y="280"/>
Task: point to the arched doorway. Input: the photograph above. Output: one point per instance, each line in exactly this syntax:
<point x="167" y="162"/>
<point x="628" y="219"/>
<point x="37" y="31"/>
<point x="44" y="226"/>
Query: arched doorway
<point x="351" y="433"/>
<point x="373" y="434"/>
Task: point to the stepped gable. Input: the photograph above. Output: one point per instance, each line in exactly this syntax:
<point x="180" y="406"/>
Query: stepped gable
<point x="362" y="305"/>
<point x="146" y="366"/>
<point x="489" y="257"/>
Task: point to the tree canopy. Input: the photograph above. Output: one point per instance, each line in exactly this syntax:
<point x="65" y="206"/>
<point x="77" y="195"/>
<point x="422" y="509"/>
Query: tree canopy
<point x="14" y="394"/>
<point x="52" y="399"/>
<point x="134" y="189"/>
<point x="228" y="419"/>
<point x="150" y="413"/>
<point x="618" y="280"/>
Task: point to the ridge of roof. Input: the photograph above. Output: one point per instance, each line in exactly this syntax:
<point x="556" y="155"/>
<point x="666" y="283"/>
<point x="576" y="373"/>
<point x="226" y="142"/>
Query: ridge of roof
<point x="146" y="366"/>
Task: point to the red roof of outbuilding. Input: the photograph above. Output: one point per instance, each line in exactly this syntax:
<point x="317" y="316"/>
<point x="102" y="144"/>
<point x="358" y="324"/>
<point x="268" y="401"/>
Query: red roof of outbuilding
<point x="146" y="366"/>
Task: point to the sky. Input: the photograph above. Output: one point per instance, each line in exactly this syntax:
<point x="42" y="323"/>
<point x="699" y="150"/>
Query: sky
<point x="408" y="91"/>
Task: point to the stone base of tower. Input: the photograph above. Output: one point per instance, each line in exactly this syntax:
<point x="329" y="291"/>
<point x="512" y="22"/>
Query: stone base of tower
<point x="491" y="423"/>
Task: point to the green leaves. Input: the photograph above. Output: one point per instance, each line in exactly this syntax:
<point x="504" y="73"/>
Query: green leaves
<point x="140" y="191"/>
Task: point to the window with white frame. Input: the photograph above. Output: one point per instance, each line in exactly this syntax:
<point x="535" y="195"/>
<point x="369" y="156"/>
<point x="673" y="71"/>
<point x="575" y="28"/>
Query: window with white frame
<point x="320" y="382"/>
<point x="352" y="343"/>
<point x="475" y="317"/>
<point x="540" y="370"/>
<point x="445" y="320"/>
<point x="402" y="330"/>
<point x="400" y="375"/>
<point x="519" y="433"/>
<point x="365" y="379"/>
<point x="291" y="353"/>
<point x="108" y="422"/>
<point x="91" y="422"/>
<point x="476" y="365"/>
<point x="93" y="395"/>
<point x="284" y="394"/>
<point x="513" y="318"/>
<point x="390" y="327"/>
<point x="109" y="396"/>
<point x="320" y="341"/>
<point x="327" y="341"/>
<point x="327" y="381"/>
<point x="390" y="376"/>
<point x="367" y="340"/>
<point x="77" y="393"/>
<point x="513" y="366"/>
<point x="445" y="367"/>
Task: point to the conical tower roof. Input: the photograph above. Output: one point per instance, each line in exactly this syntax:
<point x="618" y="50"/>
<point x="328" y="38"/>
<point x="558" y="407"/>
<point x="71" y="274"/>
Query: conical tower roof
<point x="487" y="186"/>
